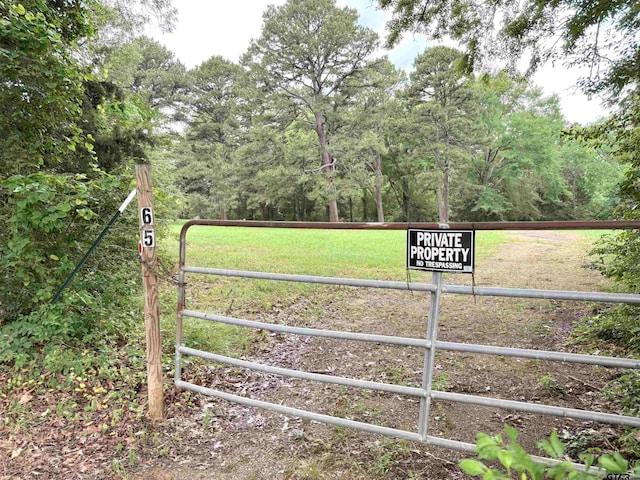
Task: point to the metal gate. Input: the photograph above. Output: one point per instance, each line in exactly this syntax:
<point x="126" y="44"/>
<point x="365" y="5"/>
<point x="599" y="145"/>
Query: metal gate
<point x="436" y="288"/>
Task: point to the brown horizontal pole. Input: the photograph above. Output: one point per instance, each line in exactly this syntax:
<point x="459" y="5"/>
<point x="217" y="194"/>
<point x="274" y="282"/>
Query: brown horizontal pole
<point x="552" y="225"/>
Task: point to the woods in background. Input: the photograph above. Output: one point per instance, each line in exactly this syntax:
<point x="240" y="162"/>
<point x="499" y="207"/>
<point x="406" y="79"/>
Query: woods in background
<point x="312" y="125"/>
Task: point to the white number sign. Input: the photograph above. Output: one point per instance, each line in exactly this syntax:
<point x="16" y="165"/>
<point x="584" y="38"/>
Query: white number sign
<point x="148" y="238"/>
<point x="146" y="216"/>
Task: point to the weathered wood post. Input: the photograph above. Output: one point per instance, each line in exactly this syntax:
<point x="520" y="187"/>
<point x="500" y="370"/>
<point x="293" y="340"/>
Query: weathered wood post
<point x="150" y="284"/>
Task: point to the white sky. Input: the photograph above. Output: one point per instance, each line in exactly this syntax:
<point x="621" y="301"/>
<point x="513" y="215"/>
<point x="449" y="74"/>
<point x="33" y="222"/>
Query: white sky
<point x="225" y="27"/>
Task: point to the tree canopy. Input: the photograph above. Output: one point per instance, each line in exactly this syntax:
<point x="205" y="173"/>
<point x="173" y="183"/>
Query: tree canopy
<point x="600" y="35"/>
<point x="312" y="61"/>
<point x="70" y="137"/>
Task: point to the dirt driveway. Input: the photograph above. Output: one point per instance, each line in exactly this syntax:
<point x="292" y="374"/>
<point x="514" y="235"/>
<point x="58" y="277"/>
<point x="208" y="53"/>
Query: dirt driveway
<point x="213" y="439"/>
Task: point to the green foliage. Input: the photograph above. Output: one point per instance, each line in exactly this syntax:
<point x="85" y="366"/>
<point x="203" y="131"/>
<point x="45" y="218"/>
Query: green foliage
<point x="315" y="64"/>
<point x="50" y="222"/>
<point x="207" y="173"/>
<point x="514" y="460"/>
<point x="387" y="452"/>
<point x="625" y="389"/>
<point x="309" y="88"/>
<point x="522" y="167"/>
<point x="364" y="133"/>
<point x="618" y="325"/>
<point x="149" y="71"/>
<point x="131" y="19"/>
<point x="285" y="162"/>
<point x="69" y="141"/>
<point x="617" y="257"/>
<point x="311" y="59"/>
<point x="443" y="107"/>
<point x="593" y="175"/>
<point x="581" y="35"/>
<point x="41" y="83"/>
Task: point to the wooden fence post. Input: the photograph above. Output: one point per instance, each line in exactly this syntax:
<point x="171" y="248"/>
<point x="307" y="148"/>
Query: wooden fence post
<point x="150" y="284"/>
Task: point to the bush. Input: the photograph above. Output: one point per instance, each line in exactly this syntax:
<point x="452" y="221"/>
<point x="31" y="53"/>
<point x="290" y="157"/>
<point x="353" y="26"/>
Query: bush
<point x="619" y="325"/>
<point x="514" y="460"/>
<point x="51" y="220"/>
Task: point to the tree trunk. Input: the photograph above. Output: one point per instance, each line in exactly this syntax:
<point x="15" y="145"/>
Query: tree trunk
<point x="575" y="194"/>
<point x="328" y="167"/>
<point x="442" y="197"/>
<point x="406" y="198"/>
<point x="351" y="209"/>
<point x="298" y="205"/>
<point x="445" y="196"/>
<point x="364" y="205"/>
<point x="377" y="167"/>
<point x="223" y="213"/>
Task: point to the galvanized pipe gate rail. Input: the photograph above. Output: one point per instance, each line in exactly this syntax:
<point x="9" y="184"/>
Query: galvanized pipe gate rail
<point x="436" y="288"/>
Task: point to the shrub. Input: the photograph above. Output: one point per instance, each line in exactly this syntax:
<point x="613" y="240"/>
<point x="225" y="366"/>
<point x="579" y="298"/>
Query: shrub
<point x="51" y="220"/>
<point x="514" y="460"/>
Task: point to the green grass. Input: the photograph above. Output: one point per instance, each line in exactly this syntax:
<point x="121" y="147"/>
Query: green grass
<point x="364" y="254"/>
<point x="371" y="254"/>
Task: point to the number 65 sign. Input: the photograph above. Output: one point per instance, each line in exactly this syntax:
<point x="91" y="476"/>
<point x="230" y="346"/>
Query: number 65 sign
<point x="148" y="235"/>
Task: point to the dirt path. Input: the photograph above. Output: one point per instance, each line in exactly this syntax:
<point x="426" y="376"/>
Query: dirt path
<point x="224" y="441"/>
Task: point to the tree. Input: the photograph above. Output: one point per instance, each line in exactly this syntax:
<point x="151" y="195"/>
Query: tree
<point x="516" y="171"/>
<point x="601" y="35"/>
<point x="483" y="192"/>
<point x="43" y="79"/>
<point x="308" y="51"/>
<point x="283" y="161"/>
<point x="364" y="135"/>
<point x="151" y="72"/>
<point x="443" y="106"/>
<point x="117" y="127"/>
<point x="619" y="257"/>
<point x="411" y="195"/>
<point x="593" y="176"/>
<point x="132" y="16"/>
<point x="278" y="153"/>
<point x="68" y="135"/>
<point x="41" y="84"/>
<point x="206" y="170"/>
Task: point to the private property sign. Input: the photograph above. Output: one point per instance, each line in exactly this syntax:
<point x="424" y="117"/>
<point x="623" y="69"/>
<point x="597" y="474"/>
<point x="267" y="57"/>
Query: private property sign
<point x="441" y="250"/>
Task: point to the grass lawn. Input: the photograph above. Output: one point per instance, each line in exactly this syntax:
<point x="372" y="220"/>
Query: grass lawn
<point x="344" y="253"/>
<point x="371" y="254"/>
<point x="594" y="235"/>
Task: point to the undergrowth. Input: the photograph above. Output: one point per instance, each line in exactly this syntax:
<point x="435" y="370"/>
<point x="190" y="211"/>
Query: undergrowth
<point x="615" y="329"/>
<point x="508" y="460"/>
